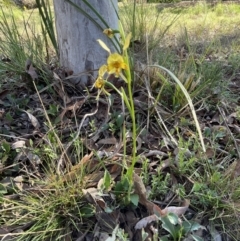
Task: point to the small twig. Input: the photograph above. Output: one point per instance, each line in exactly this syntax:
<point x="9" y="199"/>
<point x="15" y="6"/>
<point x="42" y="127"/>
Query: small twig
<point x="14" y="137"/>
<point x="5" y="168"/>
<point x="225" y="122"/>
<point x="60" y="161"/>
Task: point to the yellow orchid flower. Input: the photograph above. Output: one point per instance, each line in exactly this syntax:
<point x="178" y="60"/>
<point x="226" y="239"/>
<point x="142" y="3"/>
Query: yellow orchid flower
<point x="99" y="83"/>
<point x="109" y="32"/>
<point x="115" y="64"/>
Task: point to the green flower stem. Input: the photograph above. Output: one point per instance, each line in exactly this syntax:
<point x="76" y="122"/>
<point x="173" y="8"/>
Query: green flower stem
<point x="132" y="114"/>
<point x="130" y="105"/>
<point x="131" y="109"/>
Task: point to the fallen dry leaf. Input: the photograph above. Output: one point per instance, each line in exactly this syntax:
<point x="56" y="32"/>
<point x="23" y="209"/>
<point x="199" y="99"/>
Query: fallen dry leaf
<point x="18" y="144"/>
<point x="231" y="118"/>
<point x="210" y="152"/>
<point x="177" y="210"/>
<point x="31" y="70"/>
<point x="158" y="212"/>
<point x="33" y="120"/>
<point x="156" y="153"/>
<point x="108" y="141"/>
<point x="140" y="189"/>
<point x="19" y="182"/>
<point x="59" y="88"/>
<point x="93" y="195"/>
<point x="145" y="221"/>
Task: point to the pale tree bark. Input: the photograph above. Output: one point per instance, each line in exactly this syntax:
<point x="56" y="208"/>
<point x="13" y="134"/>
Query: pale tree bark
<point x="77" y="37"/>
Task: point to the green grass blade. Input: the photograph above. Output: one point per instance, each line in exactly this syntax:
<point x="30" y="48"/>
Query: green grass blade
<point x="188" y="99"/>
<point x="46" y="16"/>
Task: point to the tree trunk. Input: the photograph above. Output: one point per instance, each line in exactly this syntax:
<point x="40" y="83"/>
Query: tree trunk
<point x="77" y="37"/>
